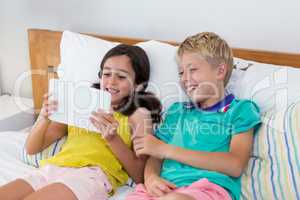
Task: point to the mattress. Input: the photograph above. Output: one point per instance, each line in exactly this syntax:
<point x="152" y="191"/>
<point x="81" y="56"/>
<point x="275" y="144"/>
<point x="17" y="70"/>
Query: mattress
<point x="16" y="113"/>
<point x="11" y="166"/>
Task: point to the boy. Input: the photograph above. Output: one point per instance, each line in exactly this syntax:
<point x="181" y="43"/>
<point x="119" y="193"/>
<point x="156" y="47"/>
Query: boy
<point x="202" y="146"/>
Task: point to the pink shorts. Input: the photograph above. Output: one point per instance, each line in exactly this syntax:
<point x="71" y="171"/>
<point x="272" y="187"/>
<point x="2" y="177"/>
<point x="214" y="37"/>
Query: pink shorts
<point x="87" y="183"/>
<point x="199" y="190"/>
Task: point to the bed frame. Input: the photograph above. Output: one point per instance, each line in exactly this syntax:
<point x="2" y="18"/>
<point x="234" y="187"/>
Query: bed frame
<point x="45" y="54"/>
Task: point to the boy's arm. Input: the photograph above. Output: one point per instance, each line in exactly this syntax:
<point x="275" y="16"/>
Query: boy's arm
<point x="231" y="163"/>
<point x="152" y="168"/>
<point x="155" y="185"/>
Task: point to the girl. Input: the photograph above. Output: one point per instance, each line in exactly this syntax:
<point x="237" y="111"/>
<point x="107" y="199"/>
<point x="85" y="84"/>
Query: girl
<point x="92" y="165"/>
<point x="203" y="145"/>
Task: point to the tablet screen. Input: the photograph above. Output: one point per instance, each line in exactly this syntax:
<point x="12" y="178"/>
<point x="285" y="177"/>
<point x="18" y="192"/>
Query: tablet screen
<point x="76" y="102"/>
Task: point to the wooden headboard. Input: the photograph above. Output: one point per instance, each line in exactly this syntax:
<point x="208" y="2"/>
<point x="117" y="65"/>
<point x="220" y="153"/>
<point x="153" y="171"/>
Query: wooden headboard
<point x="44" y="52"/>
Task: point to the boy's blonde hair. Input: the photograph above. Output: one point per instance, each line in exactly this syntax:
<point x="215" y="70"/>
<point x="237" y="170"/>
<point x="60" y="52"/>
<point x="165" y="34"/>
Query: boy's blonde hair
<point x="212" y="48"/>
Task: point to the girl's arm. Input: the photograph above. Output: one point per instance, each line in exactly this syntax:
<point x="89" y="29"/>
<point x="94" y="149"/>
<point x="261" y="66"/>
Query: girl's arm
<point x="231" y="163"/>
<point x="141" y="124"/>
<point x="44" y="132"/>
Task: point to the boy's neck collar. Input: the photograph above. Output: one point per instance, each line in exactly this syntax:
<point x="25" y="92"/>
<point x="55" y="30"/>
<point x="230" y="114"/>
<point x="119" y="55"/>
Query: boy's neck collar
<point x="221" y="106"/>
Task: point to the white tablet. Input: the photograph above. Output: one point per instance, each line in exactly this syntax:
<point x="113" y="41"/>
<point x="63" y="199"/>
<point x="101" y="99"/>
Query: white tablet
<point x="76" y="102"/>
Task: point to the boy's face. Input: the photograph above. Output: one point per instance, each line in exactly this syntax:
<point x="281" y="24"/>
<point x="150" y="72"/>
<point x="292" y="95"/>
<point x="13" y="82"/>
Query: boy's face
<point x="198" y="78"/>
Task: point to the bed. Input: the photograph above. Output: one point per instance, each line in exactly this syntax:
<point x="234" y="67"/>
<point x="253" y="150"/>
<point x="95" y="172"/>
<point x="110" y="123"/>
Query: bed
<point x="15" y="109"/>
<point x="16" y="116"/>
<point x="45" y="53"/>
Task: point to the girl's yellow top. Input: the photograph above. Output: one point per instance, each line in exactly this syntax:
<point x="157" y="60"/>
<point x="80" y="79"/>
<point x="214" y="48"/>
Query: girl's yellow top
<point x="86" y="148"/>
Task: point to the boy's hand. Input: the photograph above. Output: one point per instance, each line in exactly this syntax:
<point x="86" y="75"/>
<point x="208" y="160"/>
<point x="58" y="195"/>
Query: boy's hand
<point x="150" y="145"/>
<point x="157" y="186"/>
<point x="105" y="123"/>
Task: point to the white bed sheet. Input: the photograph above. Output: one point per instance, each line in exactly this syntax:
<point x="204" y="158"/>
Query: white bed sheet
<point x="16" y="113"/>
<point x="11" y="166"/>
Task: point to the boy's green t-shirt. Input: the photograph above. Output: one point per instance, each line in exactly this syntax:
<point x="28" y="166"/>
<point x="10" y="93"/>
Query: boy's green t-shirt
<point x="209" y="130"/>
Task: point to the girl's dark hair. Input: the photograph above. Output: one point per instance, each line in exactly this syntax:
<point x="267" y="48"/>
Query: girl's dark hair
<point x="141" y="67"/>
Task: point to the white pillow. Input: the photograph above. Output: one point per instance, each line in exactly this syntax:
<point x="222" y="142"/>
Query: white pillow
<point x="272" y="87"/>
<point x="242" y="64"/>
<point x="164" y="79"/>
<point x="81" y="56"/>
<point x="238" y="72"/>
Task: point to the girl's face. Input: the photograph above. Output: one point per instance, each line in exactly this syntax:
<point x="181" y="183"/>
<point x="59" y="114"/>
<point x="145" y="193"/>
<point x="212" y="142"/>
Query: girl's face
<point x="118" y="78"/>
<point x="198" y="78"/>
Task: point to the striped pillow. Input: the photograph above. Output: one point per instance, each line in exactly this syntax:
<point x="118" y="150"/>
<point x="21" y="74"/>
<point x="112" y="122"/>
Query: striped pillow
<point x="34" y="160"/>
<point x="274" y="169"/>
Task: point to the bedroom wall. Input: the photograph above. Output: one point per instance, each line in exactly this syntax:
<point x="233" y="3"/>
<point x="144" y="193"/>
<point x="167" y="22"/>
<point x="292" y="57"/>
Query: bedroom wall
<point x="268" y="24"/>
<point x="16" y="16"/>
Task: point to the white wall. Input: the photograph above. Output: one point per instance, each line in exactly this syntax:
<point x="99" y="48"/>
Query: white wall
<point x="259" y="24"/>
<point x="16" y="16"/>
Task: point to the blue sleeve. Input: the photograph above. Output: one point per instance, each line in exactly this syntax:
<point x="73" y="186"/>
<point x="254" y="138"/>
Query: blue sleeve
<point x="168" y="126"/>
<point x="245" y="116"/>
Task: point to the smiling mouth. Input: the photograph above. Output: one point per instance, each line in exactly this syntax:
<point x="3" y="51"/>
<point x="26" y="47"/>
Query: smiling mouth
<point x="112" y="90"/>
